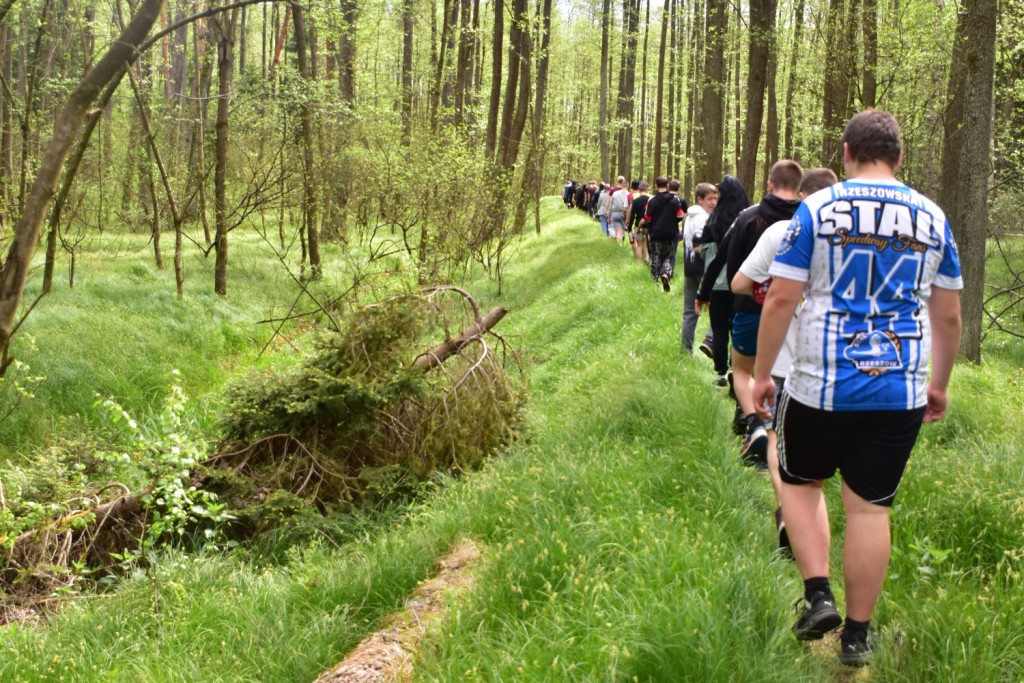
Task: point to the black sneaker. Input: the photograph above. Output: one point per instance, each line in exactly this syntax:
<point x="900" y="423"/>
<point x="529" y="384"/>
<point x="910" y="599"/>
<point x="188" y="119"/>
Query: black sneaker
<point x="720" y="381"/>
<point x="739" y="422"/>
<point x="705" y="348"/>
<point x="819" y="616"/>
<point x="854" y="648"/>
<point x="755" y="447"/>
<point x="780" y="527"/>
<point x="664" y="282"/>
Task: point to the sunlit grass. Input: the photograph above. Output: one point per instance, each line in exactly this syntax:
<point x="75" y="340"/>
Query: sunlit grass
<point x="622" y="538"/>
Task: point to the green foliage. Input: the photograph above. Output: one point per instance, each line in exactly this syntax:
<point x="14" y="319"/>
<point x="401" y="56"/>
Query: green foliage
<point x="162" y="453"/>
<point x="348" y="377"/>
<point x="17" y="383"/>
<point x="356" y="420"/>
<point x="121" y="330"/>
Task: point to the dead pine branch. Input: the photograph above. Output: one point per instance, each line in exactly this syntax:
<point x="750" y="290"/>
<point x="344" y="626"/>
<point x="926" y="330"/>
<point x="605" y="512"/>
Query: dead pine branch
<point x="437" y="355"/>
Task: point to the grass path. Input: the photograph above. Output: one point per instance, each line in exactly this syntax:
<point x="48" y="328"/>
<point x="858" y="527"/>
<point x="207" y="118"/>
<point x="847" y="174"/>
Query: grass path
<point x="621" y="538"/>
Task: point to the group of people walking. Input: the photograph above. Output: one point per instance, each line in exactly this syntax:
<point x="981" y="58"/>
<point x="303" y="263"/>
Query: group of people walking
<point x="835" y="296"/>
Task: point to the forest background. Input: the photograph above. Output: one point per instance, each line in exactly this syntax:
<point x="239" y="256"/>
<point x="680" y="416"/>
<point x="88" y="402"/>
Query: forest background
<point x="334" y="121"/>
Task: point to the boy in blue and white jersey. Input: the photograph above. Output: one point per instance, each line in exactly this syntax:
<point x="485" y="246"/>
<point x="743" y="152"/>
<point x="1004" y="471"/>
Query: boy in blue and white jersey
<point x="877" y="267"/>
<point x="869" y="252"/>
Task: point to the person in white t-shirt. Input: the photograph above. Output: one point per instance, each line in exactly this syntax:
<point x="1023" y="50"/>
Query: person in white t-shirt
<point x="753" y="280"/>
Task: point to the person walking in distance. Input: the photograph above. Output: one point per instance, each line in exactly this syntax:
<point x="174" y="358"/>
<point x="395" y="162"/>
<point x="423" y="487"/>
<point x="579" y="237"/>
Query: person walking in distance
<point x="693" y="266"/>
<point x="779" y="204"/>
<point x="732" y="199"/>
<point x="754" y="280"/>
<point x="634" y="215"/>
<point x="661" y="220"/>
<point x="877" y="267"/>
<point x="618" y="202"/>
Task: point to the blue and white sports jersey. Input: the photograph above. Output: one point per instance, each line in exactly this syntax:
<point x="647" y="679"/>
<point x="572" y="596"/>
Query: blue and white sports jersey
<point x="869" y="253"/>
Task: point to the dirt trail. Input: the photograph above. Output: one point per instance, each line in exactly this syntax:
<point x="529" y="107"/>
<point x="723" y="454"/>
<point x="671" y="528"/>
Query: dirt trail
<point x="388" y="654"/>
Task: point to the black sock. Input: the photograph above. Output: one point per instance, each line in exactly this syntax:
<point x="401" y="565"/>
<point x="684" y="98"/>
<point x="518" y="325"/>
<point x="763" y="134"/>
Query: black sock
<point x="817" y="584"/>
<point x="852" y="626"/>
<point x="753" y="422"/>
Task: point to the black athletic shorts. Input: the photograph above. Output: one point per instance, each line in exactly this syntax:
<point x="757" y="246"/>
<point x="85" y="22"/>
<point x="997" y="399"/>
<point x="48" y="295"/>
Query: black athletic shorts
<point x="870" y="448"/>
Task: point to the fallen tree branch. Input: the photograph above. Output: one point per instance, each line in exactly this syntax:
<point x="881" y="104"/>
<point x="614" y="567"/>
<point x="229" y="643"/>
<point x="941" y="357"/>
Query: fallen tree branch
<point x="437" y="355"/>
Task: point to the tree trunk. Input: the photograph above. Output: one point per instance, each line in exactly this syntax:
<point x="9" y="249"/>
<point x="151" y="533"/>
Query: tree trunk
<point x="496" y="50"/>
<point x="449" y="47"/>
<point x="712" y="99"/>
<point x="689" y="174"/>
<point x="508" y="145"/>
<point x="659" y="101"/>
<point x="627" y="86"/>
<point x="870" y="31"/>
<point x="32" y="68"/>
<point x="347" y="53"/>
<point x="309" y="185"/>
<point x="643" y="92"/>
<point x="967" y="158"/>
<point x="762" y="27"/>
<point x="737" y="94"/>
<point x="602" y="125"/>
<point x="6" y="147"/>
<point x="243" y="35"/>
<point x="66" y="126"/>
<point x="407" y="48"/>
<point x="836" y="92"/>
<point x="464" y="66"/>
<point x="539" y="132"/>
<point x="673" y="50"/>
<point x="795" y="48"/>
<point x="281" y="37"/>
<point x="771" y="136"/>
<point x="439" y="67"/>
<point x="225" y="71"/>
<point x="522" y="20"/>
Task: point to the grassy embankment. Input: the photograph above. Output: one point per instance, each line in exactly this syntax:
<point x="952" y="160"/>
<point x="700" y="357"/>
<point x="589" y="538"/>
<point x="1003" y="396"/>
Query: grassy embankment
<point x="622" y="539"/>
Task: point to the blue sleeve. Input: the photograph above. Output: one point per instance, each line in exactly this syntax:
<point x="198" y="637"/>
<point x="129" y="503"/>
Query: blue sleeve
<point x="797" y="246"/>
<point x="950" y="265"/>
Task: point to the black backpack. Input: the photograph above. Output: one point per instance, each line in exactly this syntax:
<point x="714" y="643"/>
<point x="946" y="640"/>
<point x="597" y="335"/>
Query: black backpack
<point x="693" y="262"/>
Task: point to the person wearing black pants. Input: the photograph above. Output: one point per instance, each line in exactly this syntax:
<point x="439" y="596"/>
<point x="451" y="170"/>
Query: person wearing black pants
<point x="721" y="322"/>
<point x="714" y="287"/>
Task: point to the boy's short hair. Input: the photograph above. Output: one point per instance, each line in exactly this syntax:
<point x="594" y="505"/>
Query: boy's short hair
<point x="704" y="189"/>
<point x="873" y="135"/>
<point x="620" y="180"/>
<point x="635" y="185"/>
<point x="643" y="186"/>
<point x="674" y="185"/>
<point x="817" y="179"/>
<point x="785" y="175"/>
<point x="661" y="181"/>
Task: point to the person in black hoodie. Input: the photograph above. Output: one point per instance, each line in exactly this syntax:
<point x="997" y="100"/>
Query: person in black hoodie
<point x="779" y="204"/>
<point x="732" y="199"/>
<point x="661" y="219"/>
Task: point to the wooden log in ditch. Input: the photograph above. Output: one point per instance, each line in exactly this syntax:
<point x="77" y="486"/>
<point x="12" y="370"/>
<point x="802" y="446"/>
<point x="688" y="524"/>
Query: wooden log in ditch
<point x="387" y="656"/>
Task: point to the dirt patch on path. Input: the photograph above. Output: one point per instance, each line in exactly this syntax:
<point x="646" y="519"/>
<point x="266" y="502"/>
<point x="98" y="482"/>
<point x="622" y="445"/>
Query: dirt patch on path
<point x="388" y="654"/>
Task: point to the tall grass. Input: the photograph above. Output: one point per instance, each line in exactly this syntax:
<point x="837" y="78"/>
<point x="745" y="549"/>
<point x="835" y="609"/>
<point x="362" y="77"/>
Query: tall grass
<point x="622" y="538"/>
<point x="122" y="328"/>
